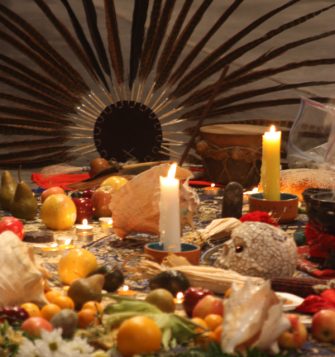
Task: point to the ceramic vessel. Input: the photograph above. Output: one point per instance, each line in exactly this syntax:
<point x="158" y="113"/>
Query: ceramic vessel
<point x="189" y="251"/>
<point x="308" y="193"/>
<point x="285" y="210"/>
<point x="232" y="152"/>
<point x="322" y="211"/>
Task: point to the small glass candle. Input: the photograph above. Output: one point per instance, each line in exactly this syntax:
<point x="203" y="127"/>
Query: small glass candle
<point x="106" y="224"/>
<point x="179" y="299"/>
<point x="63" y="241"/>
<point x="125" y="291"/>
<point x="211" y="190"/>
<point x="84" y="231"/>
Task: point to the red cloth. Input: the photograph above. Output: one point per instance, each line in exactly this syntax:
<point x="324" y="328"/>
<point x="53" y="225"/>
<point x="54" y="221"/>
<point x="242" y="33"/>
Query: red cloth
<point x="58" y="180"/>
<point x="320" y="243"/>
<point x="259" y="216"/>
<point x="315" y="303"/>
<point x="312" y="268"/>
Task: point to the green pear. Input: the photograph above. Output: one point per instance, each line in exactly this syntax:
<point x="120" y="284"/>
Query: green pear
<point x="86" y="289"/>
<point x="7" y="190"/>
<point x="24" y="204"/>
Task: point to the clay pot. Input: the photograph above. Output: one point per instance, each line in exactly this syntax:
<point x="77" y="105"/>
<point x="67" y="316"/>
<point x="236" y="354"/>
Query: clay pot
<point x="189" y="251"/>
<point x="285" y="210"/>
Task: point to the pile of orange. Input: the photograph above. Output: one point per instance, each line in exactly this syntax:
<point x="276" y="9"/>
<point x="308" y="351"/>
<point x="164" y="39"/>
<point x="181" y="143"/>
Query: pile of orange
<point x="138" y="335"/>
<point x="210" y="327"/>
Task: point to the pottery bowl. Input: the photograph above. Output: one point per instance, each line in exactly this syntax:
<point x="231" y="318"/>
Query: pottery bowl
<point x="285" y="210"/>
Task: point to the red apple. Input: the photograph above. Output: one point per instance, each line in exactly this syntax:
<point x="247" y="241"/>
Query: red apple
<point x="84" y="208"/>
<point x="33" y="326"/>
<point x="51" y="191"/>
<point x="323" y="325"/>
<point x="208" y="305"/>
<point x="101" y="199"/>
<point x="296" y="336"/>
<point x="191" y="298"/>
<point x="13" y="224"/>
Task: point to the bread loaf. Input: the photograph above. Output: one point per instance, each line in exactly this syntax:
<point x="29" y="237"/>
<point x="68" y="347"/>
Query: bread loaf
<point x="295" y="181"/>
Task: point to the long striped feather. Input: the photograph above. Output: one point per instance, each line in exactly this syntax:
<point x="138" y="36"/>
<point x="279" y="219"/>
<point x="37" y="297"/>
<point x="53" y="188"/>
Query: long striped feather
<point x="84" y="42"/>
<point x="26" y="129"/>
<point x="33" y="104"/>
<point x="180" y="43"/>
<point x="261" y="74"/>
<point x="41" y="40"/>
<point x="33" y="143"/>
<point x="33" y="83"/>
<point x="253" y="93"/>
<point x="37" y="76"/>
<point x="209" y="70"/>
<point x="46" y="66"/>
<point x="137" y="35"/>
<point x="233" y="40"/>
<point x="188" y="60"/>
<point x="26" y="88"/>
<point x="66" y="34"/>
<point x="92" y="22"/>
<point x="277" y="52"/>
<point x="149" y="36"/>
<point x="35" y="115"/>
<point x="114" y="45"/>
<point x="173" y="35"/>
<point x="253" y="105"/>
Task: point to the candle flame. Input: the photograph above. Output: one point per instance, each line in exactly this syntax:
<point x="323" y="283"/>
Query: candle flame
<point x="254" y="190"/>
<point x="172" y="171"/>
<point x="180" y="295"/>
<point x="85" y="222"/>
<point x="125" y="288"/>
<point x="212" y="184"/>
<point x="272" y="129"/>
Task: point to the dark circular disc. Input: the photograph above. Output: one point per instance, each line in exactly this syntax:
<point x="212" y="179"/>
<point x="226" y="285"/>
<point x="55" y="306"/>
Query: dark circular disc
<point x="127" y="130"/>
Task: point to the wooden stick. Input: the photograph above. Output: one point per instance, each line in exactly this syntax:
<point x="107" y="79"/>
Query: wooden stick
<point x="208" y="107"/>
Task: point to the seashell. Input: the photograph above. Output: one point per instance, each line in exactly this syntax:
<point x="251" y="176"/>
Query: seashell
<point x="20" y="279"/>
<point x="135" y="206"/>
<point x="253" y="318"/>
<point x="259" y="249"/>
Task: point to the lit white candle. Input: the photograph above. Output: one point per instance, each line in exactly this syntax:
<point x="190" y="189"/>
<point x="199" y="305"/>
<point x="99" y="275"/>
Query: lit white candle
<point x="84" y="231"/>
<point x="169" y="222"/>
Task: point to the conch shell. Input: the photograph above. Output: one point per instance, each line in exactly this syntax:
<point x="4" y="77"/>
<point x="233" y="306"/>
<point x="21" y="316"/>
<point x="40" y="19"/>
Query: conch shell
<point x="20" y="279"/>
<point x="253" y="318"/>
<point x="135" y="206"/>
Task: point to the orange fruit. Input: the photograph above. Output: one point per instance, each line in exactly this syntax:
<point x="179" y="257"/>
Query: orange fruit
<point x="138" y="335"/>
<point x="218" y="333"/>
<point x="58" y="211"/>
<point x="32" y="309"/>
<point x="52" y="295"/>
<point x="213" y="321"/>
<point x="116" y="182"/>
<point x="93" y="305"/>
<point x="77" y="263"/>
<point x="64" y="302"/>
<point x="49" y="310"/>
<point x="86" y="317"/>
<point x="201" y="323"/>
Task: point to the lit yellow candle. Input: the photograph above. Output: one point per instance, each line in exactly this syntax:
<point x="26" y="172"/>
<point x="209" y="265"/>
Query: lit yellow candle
<point x="271" y="164"/>
<point x="169" y="221"/>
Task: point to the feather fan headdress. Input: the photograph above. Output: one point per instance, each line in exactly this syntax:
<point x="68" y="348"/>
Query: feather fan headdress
<point x="65" y="107"/>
